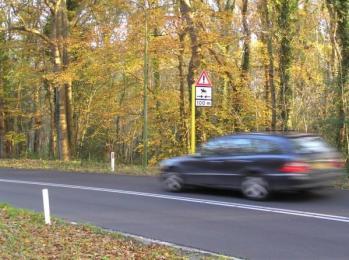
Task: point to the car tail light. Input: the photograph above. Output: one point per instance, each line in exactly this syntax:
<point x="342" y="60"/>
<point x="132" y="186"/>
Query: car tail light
<point x="295" y="167"/>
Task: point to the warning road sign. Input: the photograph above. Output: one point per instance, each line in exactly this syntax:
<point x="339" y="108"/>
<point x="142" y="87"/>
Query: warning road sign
<point x="203" y="80"/>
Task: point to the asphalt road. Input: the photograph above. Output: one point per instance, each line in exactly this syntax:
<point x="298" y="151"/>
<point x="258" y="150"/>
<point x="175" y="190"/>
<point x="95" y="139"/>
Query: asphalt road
<point x="289" y="226"/>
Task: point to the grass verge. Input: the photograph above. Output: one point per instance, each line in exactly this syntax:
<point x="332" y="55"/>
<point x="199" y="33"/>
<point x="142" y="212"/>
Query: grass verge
<point x="23" y="235"/>
<point x="75" y="166"/>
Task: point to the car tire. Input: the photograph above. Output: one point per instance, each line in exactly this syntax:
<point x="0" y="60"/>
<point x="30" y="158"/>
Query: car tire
<point x="173" y="182"/>
<point x="255" y="188"/>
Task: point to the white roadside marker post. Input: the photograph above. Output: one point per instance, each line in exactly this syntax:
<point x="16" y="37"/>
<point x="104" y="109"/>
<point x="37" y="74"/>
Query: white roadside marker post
<point x="112" y="161"/>
<point x="46" y="206"/>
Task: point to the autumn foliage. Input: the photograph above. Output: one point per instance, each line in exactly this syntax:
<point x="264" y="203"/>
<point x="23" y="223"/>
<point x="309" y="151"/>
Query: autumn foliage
<point x="72" y="73"/>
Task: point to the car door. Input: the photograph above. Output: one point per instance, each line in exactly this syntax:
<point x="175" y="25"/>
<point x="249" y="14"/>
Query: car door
<point x="221" y="162"/>
<point x="235" y="157"/>
<point x="202" y="168"/>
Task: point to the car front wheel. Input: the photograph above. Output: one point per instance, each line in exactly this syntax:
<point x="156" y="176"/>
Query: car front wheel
<point x="255" y="188"/>
<point x="173" y="182"/>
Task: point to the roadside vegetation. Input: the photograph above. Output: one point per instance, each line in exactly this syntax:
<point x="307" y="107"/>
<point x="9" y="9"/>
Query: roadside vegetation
<point x="76" y="166"/>
<point x="78" y="77"/>
<point x="23" y="235"/>
<point x="344" y="184"/>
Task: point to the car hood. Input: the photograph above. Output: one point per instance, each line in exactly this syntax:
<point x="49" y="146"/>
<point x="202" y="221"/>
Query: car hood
<point x="174" y="161"/>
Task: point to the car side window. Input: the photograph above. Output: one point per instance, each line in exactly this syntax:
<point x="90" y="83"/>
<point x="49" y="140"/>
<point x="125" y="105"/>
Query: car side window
<point x="212" y="147"/>
<point x="239" y="146"/>
<point x="265" y="147"/>
<point x="226" y="147"/>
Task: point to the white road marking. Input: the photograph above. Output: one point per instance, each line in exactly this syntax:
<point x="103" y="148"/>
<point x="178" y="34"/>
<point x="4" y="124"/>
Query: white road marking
<point x="189" y="199"/>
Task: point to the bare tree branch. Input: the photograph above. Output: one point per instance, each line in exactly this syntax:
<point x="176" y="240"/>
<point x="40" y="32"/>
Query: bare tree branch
<point x="80" y="11"/>
<point x="31" y="31"/>
<point x="50" y="5"/>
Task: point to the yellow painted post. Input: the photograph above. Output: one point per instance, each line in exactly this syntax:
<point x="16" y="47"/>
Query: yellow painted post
<point x="193" y="142"/>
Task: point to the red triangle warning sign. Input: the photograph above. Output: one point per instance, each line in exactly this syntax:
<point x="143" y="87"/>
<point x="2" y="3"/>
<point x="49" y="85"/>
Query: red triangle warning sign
<point x="203" y="80"/>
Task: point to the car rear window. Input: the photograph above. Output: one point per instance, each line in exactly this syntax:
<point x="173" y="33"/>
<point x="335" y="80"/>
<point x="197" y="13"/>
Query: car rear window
<point x="310" y="144"/>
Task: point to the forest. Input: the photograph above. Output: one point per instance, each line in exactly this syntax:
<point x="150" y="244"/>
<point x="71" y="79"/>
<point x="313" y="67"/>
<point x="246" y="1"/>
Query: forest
<point x="82" y="78"/>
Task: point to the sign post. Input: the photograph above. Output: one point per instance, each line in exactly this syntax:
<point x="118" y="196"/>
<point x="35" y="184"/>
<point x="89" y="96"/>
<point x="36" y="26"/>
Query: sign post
<point x="201" y="96"/>
<point x="193" y="141"/>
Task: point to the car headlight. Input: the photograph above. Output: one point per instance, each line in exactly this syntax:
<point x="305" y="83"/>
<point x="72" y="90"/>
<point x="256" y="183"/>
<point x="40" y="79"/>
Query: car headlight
<point x="162" y="165"/>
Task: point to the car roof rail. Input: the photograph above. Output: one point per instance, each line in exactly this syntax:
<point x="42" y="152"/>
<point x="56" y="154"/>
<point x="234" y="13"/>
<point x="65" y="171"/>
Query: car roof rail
<point x="286" y="133"/>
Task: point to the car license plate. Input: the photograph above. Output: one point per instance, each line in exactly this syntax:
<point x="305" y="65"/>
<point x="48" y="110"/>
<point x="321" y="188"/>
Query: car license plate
<point x="321" y="165"/>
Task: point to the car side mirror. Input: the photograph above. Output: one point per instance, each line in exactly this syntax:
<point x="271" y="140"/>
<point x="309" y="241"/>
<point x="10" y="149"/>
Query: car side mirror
<point x="200" y="151"/>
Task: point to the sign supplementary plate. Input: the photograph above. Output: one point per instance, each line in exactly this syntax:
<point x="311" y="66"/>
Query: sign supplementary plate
<point x="203" y="103"/>
<point x="203" y="93"/>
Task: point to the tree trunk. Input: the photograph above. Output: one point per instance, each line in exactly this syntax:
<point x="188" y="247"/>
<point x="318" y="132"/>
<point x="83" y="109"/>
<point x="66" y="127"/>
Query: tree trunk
<point x="245" y="65"/>
<point x="51" y="103"/>
<point x="182" y="111"/>
<point x="37" y="122"/>
<point x="195" y="60"/>
<point x="285" y="12"/>
<point x="227" y="7"/>
<point x="2" y="117"/>
<point x="70" y="121"/>
<point x="156" y="77"/>
<point x="155" y="70"/>
<point x="2" y="101"/>
<point x="339" y="15"/>
<point x="68" y="85"/>
<point x="186" y="10"/>
<point x="343" y="77"/>
<point x="62" y="127"/>
<point x="61" y="97"/>
<point x="267" y="28"/>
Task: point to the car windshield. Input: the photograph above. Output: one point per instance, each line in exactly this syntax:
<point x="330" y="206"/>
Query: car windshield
<point x="310" y="144"/>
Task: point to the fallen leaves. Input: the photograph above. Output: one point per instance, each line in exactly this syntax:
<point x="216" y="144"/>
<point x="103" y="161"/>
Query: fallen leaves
<point x="23" y="235"/>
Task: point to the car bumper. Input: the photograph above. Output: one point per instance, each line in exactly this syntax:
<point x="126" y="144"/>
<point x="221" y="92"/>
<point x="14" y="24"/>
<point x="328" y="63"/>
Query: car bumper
<point x="305" y="181"/>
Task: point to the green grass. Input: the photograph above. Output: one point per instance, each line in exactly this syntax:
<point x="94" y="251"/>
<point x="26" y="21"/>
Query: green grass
<point x="76" y="166"/>
<point x="23" y="235"/>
